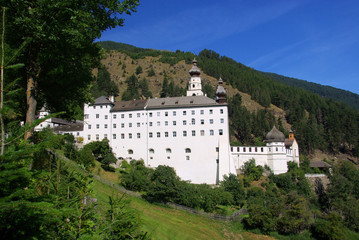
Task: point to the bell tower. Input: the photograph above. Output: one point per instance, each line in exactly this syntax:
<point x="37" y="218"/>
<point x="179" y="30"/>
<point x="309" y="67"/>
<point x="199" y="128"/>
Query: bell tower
<point x="194" y="84"/>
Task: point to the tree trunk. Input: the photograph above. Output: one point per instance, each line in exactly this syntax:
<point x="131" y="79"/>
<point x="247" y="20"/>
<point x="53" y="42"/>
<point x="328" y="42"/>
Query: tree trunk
<point x="31" y="103"/>
<point x="2" y="84"/>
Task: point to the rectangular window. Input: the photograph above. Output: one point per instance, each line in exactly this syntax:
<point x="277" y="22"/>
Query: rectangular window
<point x="202" y="132"/>
<point x="150" y="123"/>
<point x="185" y="133"/>
<point x="122" y="115"/>
<point x="86" y="116"/>
<point x="261" y="149"/>
<point x="174" y="134"/>
<point x="88" y="137"/>
<point x="166" y="123"/>
<point x="193" y="133"/>
<point x="122" y="125"/>
<point x="184" y="113"/>
<point x="129" y="124"/>
<point x="202" y="112"/>
<point x="220" y="131"/>
<point x="130" y="115"/>
<point x="150" y="114"/>
<point x="89" y="126"/>
<point x="193" y="121"/>
<point x="158" y="114"/>
<point x="211" y="132"/>
<point x="114" y="136"/>
<point x="105" y="125"/>
<point x="166" y="114"/>
<point x="138" y="124"/>
<point x="138" y="135"/>
<point x="97" y="115"/>
<point x="210" y="121"/>
<point x="97" y="126"/>
<point x="158" y="123"/>
<point x="106" y="116"/>
<point x="158" y="134"/>
<point x="105" y="135"/>
<point x="222" y="120"/>
<point x="217" y="149"/>
<point x="184" y="122"/>
<point x="150" y="134"/>
<point x="166" y="134"/>
<point x="174" y="123"/>
<point x="114" y="125"/>
<point x="202" y="121"/>
<point x="130" y="135"/>
<point x="122" y="136"/>
<point x="210" y="111"/>
<point x="174" y="113"/>
<point x="193" y="112"/>
<point x="187" y="157"/>
<point x="97" y="137"/>
<point x="221" y="111"/>
<point x="94" y="107"/>
<point x="114" y="116"/>
<point x="138" y="114"/>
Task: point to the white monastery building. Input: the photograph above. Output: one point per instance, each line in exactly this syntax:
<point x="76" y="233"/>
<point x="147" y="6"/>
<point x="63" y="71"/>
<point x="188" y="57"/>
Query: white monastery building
<point x="189" y="133"/>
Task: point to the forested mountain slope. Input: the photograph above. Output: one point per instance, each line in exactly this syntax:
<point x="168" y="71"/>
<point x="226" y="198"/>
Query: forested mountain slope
<point x="256" y="101"/>
<point x="349" y="98"/>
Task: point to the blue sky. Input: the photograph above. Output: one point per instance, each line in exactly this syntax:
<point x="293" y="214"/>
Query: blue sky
<point x="313" y="40"/>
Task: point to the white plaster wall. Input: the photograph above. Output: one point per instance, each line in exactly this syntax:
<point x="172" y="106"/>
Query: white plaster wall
<point x="90" y="120"/>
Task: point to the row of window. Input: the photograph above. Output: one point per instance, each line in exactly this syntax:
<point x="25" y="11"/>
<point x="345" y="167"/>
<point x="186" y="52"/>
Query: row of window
<point x="168" y="151"/>
<point x="158" y="134"/>
<point x="166" y="114"/>
<point x="174" y="123"/>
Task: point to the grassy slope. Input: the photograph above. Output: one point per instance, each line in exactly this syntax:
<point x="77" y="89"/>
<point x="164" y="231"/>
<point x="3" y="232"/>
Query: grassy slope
<point x="166" y="223"/>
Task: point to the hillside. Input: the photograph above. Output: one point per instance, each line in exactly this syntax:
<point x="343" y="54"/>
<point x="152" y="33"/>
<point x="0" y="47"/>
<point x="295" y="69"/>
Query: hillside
<point x="256" y="100"/>
<point x="349" y="98"/>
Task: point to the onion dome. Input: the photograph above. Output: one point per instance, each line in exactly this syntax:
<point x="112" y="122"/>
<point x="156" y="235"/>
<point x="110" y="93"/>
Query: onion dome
<point x="194" y="70"/>
<point x="220" y="88"/>
<point x="221" y="94"/>
<point x="275" y="135"/>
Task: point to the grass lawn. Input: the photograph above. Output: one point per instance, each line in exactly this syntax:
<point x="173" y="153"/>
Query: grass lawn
<point x="166" y="223"/>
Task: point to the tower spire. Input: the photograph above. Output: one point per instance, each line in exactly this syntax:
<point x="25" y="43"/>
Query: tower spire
<point x="195" y="83"/>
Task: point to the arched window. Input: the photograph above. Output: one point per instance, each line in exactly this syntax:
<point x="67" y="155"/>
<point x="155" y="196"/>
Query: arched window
<point x="130" y="151"/>
<point x="168" y="150"/>
<point x="151" y="151"/>
<point x="188" y="150"/>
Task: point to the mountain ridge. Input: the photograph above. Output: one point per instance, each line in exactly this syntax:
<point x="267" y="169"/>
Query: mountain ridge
<point x="349" y="98"/>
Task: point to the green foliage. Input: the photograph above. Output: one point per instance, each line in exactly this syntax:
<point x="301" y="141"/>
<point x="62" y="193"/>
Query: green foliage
<point x="104" y="86"/>
<point x="139" y="70"/>
<point x="251" y="171"/>
<point x="135" y="176"/>
<point x="144" y="89"/>
<point x="61" y="43"/>
<point x="331" y="227"/>
<point x="151" y="72"/>
<point x="132" y="89"/>
<point x="233" y="185"/>
<point x="85" y="158"/>
<point x="164" y="184"/>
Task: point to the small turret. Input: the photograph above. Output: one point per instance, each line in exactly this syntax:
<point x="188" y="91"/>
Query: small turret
<point x="291" y="135"/>
<point x="221" y="94"/>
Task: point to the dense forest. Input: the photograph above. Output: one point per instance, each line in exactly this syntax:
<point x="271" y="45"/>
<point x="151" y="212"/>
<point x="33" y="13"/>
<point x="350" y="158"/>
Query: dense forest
<point x="318" y="122"/>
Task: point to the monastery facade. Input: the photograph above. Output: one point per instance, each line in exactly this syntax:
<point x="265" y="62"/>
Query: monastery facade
<point x="189" y="133"/>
